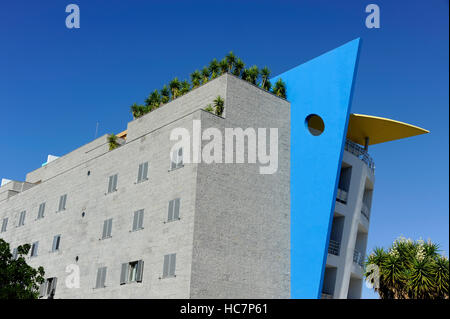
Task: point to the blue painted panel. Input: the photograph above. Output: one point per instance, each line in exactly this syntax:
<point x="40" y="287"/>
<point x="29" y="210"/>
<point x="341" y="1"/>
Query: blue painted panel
<point x="322" y="86"/>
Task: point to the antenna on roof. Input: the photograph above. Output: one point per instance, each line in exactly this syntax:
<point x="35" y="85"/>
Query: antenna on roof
<point x="96" y="131"/>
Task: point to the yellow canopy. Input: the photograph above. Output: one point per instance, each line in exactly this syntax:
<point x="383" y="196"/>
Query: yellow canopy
<point x="379" y="129"/>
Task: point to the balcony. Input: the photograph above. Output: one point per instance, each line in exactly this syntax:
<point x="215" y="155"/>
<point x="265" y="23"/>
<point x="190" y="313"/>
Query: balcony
<point x="360" y="153"/>
<point x="365" y="211"/>
<point x="334" y="247"/>
<point x="358" y="258"/>
<point x="342" y="196"/>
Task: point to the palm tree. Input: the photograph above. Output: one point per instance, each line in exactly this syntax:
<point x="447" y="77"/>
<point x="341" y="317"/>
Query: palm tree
<point x="265" y="73"/>
<point x="165" y="94"/>
<point x="196" y="78"/>
<point x="223" y="66"/>
<point x="214" y="68"/>
<point x="175" y="86"/>
<point x="112" y="142"/>
<point x="251" y="74"/>
<point x="137" y="110"/>
<point x="219" y="104"/>
<point x="238" y="67"/>
<point x="267" y="85"/>
<point x="153" y="101"/>
<point x="185" y="87"/>
<point x="230" y="58"/>
<point x="205" y="75"/>
<point x="280" y="88"/>
<point x="409" y="270"/>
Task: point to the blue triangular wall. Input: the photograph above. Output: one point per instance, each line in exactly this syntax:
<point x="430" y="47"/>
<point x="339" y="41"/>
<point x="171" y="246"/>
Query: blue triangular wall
<point x="322" y="86"/>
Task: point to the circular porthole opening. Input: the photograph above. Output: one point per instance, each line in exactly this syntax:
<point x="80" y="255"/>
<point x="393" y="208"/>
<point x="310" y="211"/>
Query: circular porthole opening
<point x="315" y="124"/>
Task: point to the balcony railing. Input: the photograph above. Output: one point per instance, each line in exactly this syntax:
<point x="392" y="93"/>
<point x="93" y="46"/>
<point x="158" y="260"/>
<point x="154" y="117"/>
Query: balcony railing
<point x="360" y="152"/>
<point x="334" y="247"/>
<point x="365" y="211"/>
<point x="358" y="258"/>
<point x="342" y="196"/>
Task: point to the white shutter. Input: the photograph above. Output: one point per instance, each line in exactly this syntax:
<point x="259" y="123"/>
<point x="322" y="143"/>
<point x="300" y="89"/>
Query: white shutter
<point x="166" y="265"/>
<point x="176" y="210"/>
<point x="172" y="264"/>
<point x="123" y="274"/>
<point x="139" y="270"/>
<point x="170" y="212"/>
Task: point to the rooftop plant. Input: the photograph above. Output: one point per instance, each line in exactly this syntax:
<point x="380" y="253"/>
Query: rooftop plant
<point x="229" y="64"/>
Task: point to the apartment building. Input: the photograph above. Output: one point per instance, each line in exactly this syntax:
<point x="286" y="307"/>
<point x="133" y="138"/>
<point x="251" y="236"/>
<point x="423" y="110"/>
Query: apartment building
<point x="137" y="223"/>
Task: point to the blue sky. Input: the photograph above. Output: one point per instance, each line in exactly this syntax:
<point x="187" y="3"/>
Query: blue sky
<point x="56" y="83"/>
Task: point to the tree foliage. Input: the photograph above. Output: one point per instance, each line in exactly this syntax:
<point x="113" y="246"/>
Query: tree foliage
<point x="229" y="64"/>
<point x="409" y="270"/>
<point x="18" y="280"/>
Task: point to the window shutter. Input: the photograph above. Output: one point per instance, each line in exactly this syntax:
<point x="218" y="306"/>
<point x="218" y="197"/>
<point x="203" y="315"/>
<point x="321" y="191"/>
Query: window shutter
<point x="4" y="224"/>
<point x="135" y="220"/>
<point x="166" y="265"/>
<point x="14" y="254"/>
<point x="99" y="277"/>
<point x="140" y="219"/>
<point x="34" y="249"/>
<point x="173" y="159"/>
<point x="53" y="286"/>
<point x="42" y="289"/>
<point x="123" y="274"/>
<point x="139" y="270"/>
<point x="145" y="171"/>
<point x="115" y="183"/>
<point x="176" y="212"/>
<point x="172" y="264"/>
<point x="140" y="173"/>
<point x="170" y="214"/>
<point x="56" y="240"/>
<point x="103" y="279"/>
<point x="105" y="229"/>
<point x="110" y="184"/>
<point x="108" y="232"/>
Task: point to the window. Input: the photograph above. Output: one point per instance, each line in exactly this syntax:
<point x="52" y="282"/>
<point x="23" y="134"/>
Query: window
<point x="41" y="211"/>
<point x="101" y="277"/>
<point x="15" y="253"/>
<point x="34" y="249"/>
<point x="176" y="159"/>
<point x="22" y="218"/>
<point x="62" y="203"/>
<point x="138" y="220"/>
<point x="132" y="272"/>
<point x="142" y="173"/>
<point x="56" y="242"/>
<point x="4" y="225"/>
<point x="174" y="210"/>
<point x="169" y="265"/>
<point x="112" y="184"/>
<point x="48" y="288"/>
<point x="107" y="226"/>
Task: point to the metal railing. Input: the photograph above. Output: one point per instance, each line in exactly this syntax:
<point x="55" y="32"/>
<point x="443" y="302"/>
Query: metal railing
<point x="360" y="153"/>
<point x="358" y="258"/>
<point x="342" y="196"/>
<point x="365" y="211"/>
<point x="334" y="247"/>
